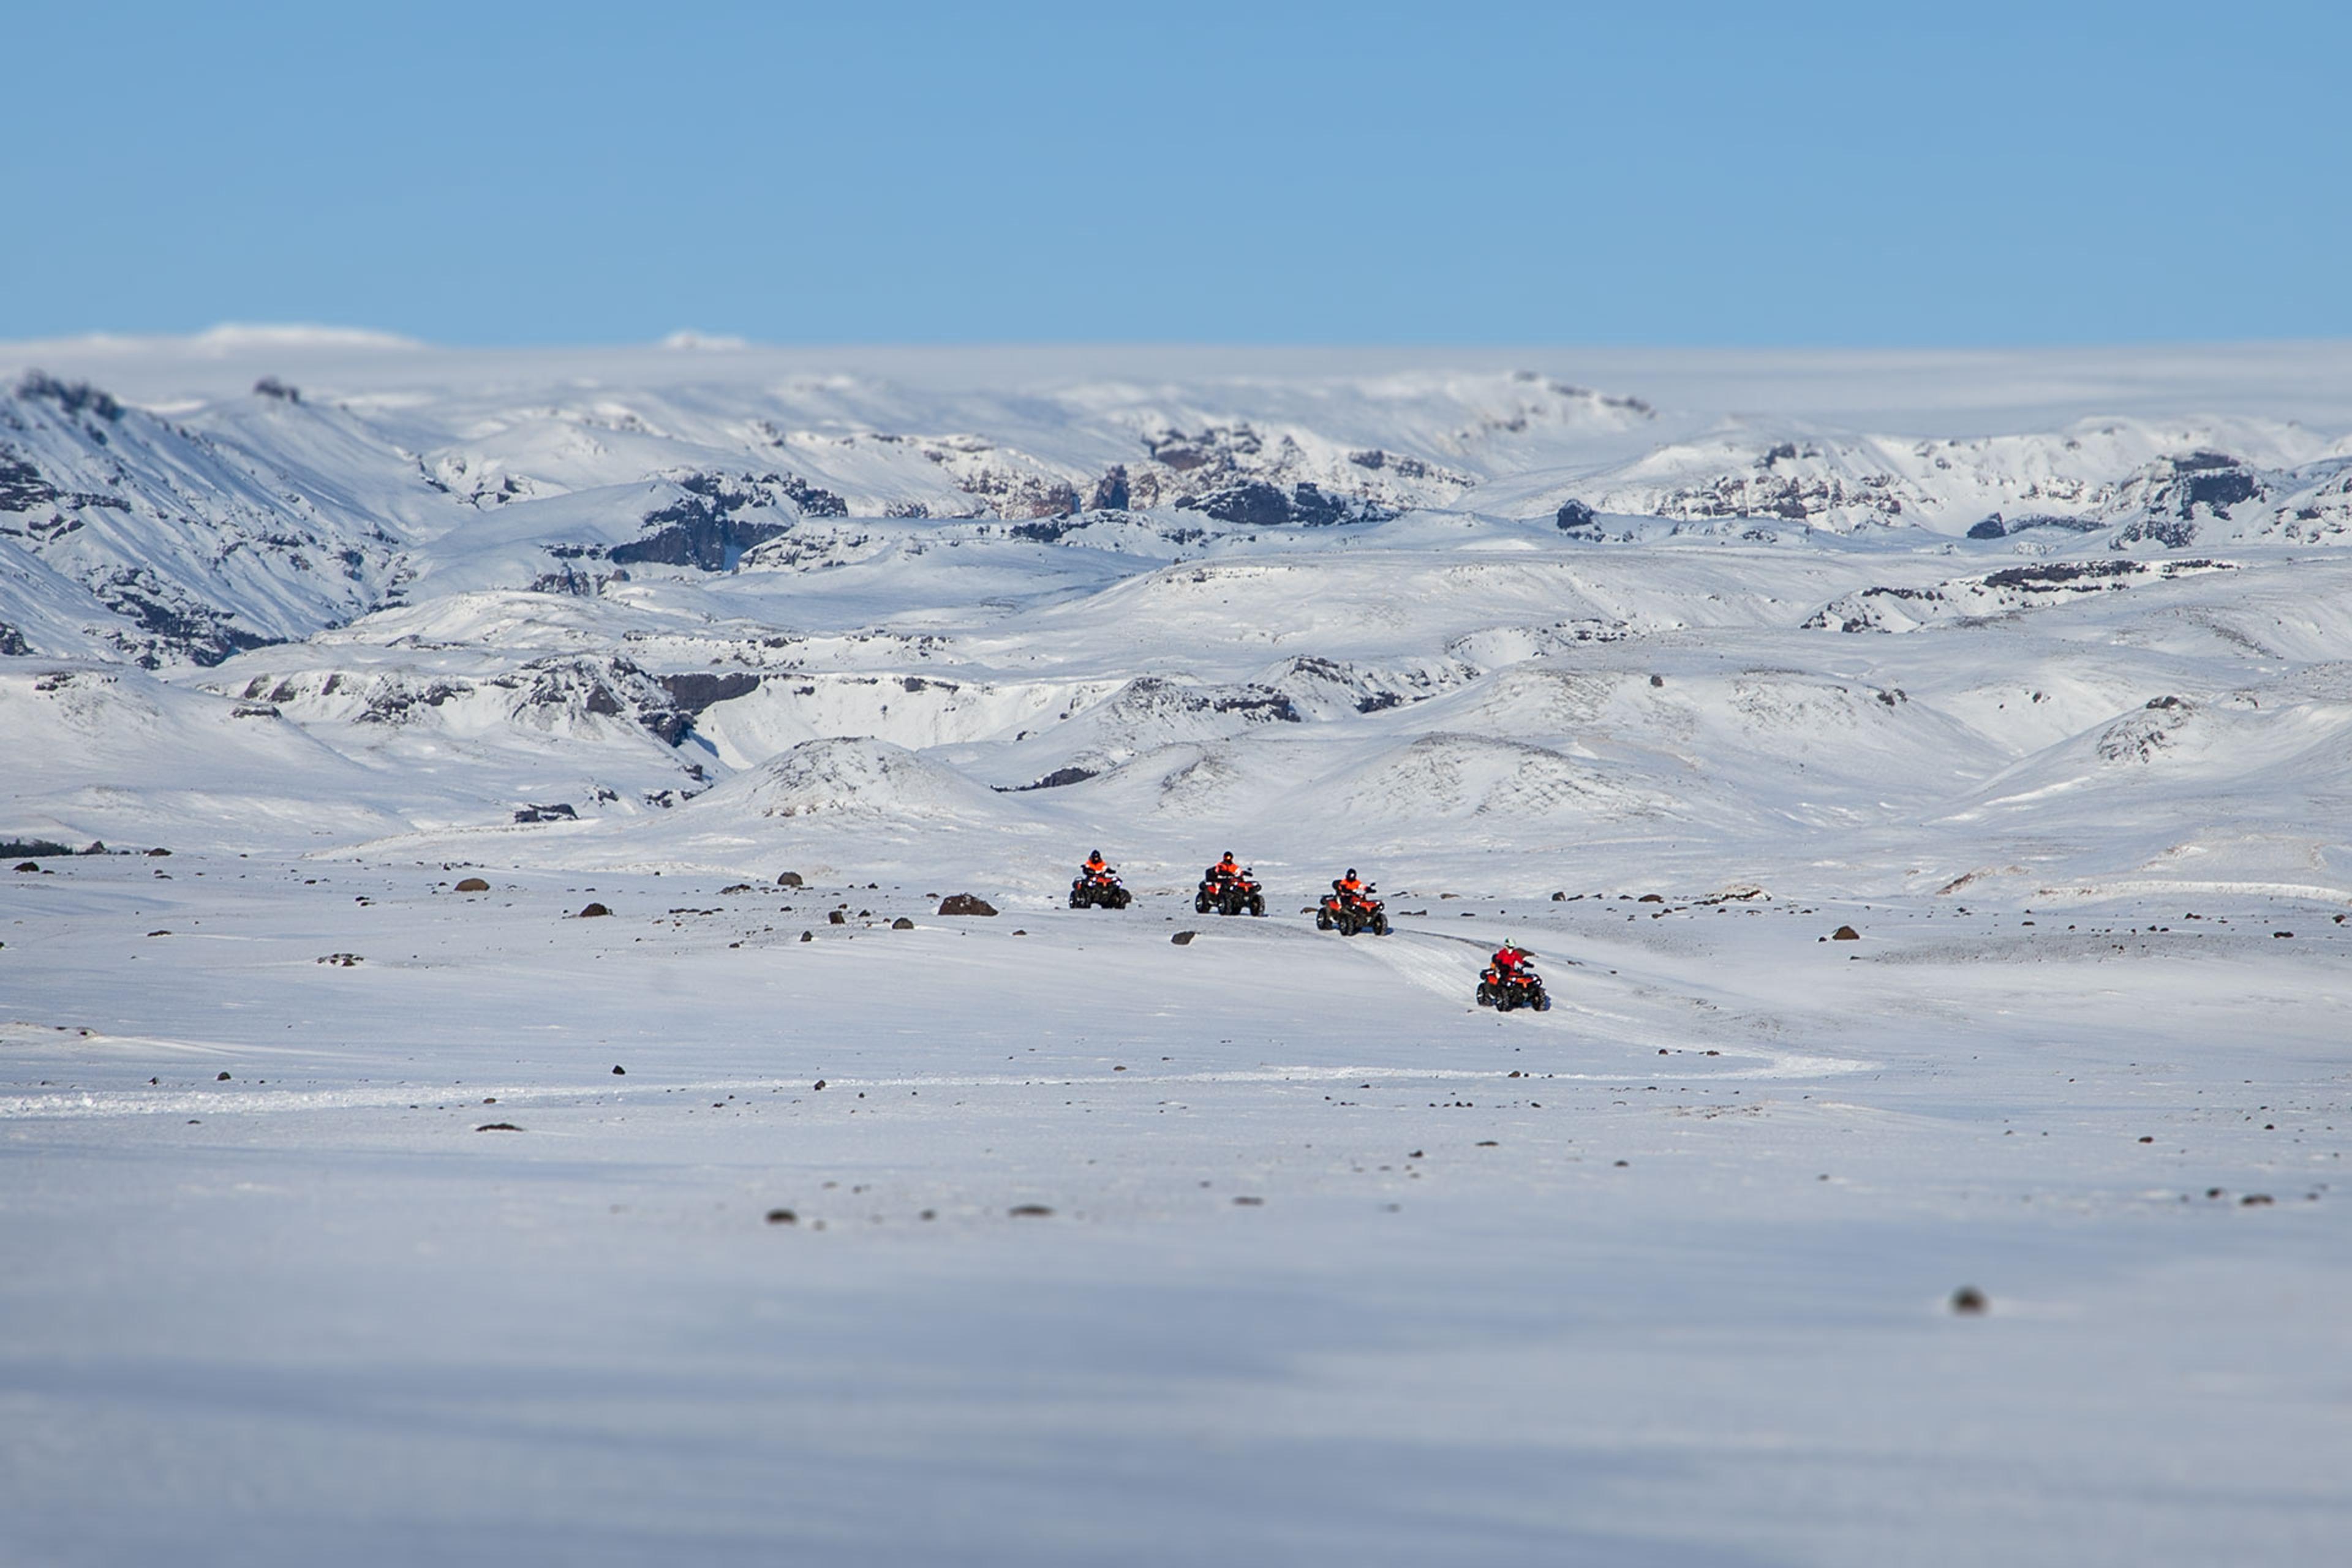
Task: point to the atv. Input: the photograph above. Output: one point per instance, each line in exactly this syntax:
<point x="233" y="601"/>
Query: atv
<point x="1229" y="896"/>
<point x="1523" y="989"/>
<point x="1351" y="913"/>
<point x="1099" y="890"/>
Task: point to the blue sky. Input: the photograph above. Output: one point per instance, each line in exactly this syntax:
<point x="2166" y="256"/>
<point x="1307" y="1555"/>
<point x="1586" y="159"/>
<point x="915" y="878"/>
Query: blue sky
<point x="1638" y="173"/>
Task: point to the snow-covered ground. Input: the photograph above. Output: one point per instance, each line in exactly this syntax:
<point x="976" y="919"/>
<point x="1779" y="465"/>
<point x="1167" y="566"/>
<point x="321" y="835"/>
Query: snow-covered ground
<point x="1668" y="679"/>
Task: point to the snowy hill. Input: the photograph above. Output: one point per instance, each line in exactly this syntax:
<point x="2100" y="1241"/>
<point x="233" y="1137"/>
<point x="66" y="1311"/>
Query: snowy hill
<point x="1444" y="608"/>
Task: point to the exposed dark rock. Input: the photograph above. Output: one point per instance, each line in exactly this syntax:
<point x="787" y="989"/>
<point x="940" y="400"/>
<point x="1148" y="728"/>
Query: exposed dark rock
<point x="1575" y="517"/>
<point x="902" y="923"/>
<point x="72" y="396"/>
<point x="811" y="499"/>
<point x="1969" y="1302"/>
<point x="594" y="911"/>
<point x="473" y="885"/>
<point x="1110" y="491"/>
<point x="620" y="1071"/>
<point x="1253" y="503"/>
<point x="835" y="917"/>
<point x="965" y="904"/>
<point x="1029" y="1211"/>
<point x="270" y="386"/>
<point x="697" y="690"/>
<point x="561" y="812"/>
<point x="1990" y="528"/>
<point x="173" y="620"/>
<point x="1845" y="934"/>
<point x="705" y="527"/>
<point x="782" y="1216"/>
<point x="498" y="1127"/>
<point x="1183" y="938"/>
<point x="22" y="487"/>
<point x="1060" y="777"/>
<point x="789" y="879"/>
<point x="2168" y="532"/>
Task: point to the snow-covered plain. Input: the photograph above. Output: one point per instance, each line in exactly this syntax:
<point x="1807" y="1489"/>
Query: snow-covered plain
<point x="1666" y="666"/>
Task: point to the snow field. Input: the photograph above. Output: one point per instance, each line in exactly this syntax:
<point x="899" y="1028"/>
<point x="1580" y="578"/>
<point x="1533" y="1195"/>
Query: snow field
<point x="312" y="1306"/>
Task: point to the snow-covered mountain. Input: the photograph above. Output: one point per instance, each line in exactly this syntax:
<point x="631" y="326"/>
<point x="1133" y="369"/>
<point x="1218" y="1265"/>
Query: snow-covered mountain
<point x="1333" y="604"/>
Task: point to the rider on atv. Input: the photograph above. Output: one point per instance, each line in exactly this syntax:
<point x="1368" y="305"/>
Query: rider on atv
<point x="1510" y="981"/>
<point x="1350" y="907"/>
<point x="1098" y="884"/>
<point x="1228" y="886"/>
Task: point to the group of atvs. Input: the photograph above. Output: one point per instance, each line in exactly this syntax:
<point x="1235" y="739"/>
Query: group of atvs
<point x="1229" y="887"/>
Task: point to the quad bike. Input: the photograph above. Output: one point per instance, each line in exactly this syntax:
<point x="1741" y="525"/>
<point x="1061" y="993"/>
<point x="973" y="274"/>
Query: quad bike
<point x="1229" y="896"/>
<point x="1099" y="890"/>
<point x="1525" y="988"/>
<point x="1349" y="913"/>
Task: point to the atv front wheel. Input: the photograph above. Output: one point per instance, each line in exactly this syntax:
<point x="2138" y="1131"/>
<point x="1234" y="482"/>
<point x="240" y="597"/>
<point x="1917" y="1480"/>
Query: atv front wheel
<point x="1380" y="925"/>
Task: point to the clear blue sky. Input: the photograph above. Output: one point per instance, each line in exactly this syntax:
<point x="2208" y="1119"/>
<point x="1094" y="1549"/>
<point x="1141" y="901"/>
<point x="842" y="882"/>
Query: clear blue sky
<point x="1642" y="171"/>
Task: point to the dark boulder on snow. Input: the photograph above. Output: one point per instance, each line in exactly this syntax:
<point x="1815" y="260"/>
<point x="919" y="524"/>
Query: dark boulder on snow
<point x="1845" y="934"/>
<point x="1576" y="518"/>
<point x="789" y="879"/>
<point x="1990" y="528"/>
<point x="1969" y="1302"/>
<point x="1183" y="938"/>
<point x="965" y="904"/>
<point x="473" y="885"/>
<point x="594" y="911"/>
<point x="902" y="923"/>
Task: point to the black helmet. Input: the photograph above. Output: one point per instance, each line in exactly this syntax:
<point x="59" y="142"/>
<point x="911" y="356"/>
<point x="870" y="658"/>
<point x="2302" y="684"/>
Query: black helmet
<point x="1093" y="855"/>
<point x="1351" y="870"/>
<point x="1229" y="854"/>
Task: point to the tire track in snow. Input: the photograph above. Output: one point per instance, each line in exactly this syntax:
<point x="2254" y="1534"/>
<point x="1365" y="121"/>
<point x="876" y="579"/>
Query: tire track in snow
<point x="1417" y="957"/>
